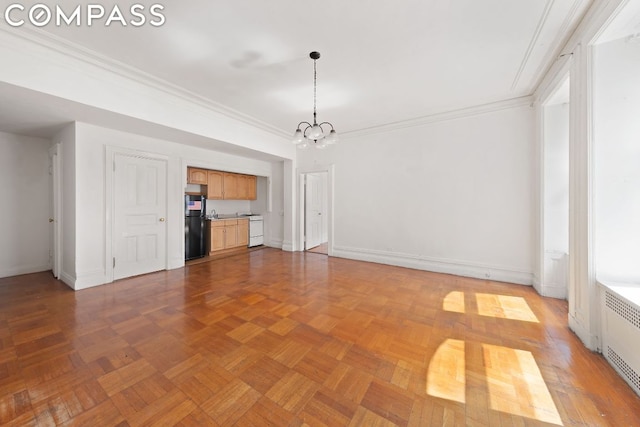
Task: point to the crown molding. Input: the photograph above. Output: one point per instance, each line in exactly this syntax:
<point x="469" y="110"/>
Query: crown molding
<point x="532" y="43"/>
<point x="93" y="58"/>
<point x="553" y="55"/>
<point x="441" y="117"/>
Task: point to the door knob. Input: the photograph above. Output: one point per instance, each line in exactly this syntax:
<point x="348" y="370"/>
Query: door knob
<point x="50" y="219"/>
<point x="161" y="219"/>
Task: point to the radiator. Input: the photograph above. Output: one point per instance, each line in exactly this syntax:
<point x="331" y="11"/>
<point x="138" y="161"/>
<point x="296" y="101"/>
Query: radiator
<point x="621" y="336"/>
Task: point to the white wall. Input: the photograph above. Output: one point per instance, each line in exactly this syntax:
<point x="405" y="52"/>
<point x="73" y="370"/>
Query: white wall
<point x="42" y="64"/>
<point x="452" y="196"/>
<point x="556" y="175"/>
<point x="92" y="204"/>
<point x="274" y="210"/>
<point x="617" y="166"/>
<point x="24" y="204"/>
<point x="67" y="140"/>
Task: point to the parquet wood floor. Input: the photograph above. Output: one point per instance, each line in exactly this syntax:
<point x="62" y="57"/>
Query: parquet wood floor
<point x="270" y="338"/>
<point x="323" y="248"/>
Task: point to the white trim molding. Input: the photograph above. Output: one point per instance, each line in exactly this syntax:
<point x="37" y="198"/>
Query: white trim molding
<point x="441" y="117"/>
<point x="68" y="279"/>
<point x="24" y="269"/>
<point x="88" y="56"/>
<point x="90" y="279"/>
<point x="436" y="265"/>
<point x="287" y="246"/>
<point x="532" y="43"/>
<point x="274" y="243"/>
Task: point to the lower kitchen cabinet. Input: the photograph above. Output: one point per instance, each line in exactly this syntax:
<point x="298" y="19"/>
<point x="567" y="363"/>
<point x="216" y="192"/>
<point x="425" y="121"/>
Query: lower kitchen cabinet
<point x="243" y="232"/>
<point x="228" y="234"/>
<point x="217" y="236"/>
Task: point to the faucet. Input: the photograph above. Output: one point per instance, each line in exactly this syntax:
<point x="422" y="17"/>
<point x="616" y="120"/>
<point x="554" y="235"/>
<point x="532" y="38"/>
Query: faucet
<point x="214" y="214"/>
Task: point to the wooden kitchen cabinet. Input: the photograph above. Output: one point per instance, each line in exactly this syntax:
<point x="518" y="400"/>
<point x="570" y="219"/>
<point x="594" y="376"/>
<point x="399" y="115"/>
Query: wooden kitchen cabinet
<point x="246" y="187"/>
<point x="224" y="185"/>
<point x="196" y="176"/>
<point x="215" y="185"/>
<point x="243" y="232"/>
<point x="217" y="236"/>
<point x="239" y="187"/>
<point x="231" y="234"/>
<point x="228" y="234"/>
<point x="231" y="190"/>
<point x="252" y="190"/>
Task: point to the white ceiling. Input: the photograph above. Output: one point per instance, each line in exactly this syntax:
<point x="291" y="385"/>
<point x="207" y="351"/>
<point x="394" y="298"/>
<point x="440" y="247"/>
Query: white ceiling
<point x="382" y="62"/>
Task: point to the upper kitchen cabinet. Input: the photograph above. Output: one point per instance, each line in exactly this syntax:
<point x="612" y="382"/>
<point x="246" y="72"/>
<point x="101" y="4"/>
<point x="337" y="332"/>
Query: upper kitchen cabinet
<point x="215" y="185"/>
<point x="247" y="187"/>
<point x="196" y="176"/>
<point x="224" y="185"/>
<point x="253" y="187"/>
<point x="231" y="189"/>
<point x="239" y="187"/>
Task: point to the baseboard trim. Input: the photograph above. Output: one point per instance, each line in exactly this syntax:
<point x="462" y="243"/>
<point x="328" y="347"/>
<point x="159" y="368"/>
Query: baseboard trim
<point x="68" y="280"/>
<point x="90" y="279"/>
<point x="287" y="246"/>
<point x="558" y="292"/>
<point x="25" y="269"/>
<point x="536" y="284"/>
<point x="274" y="243"/>
<point x="458" y="268"/>
<point x="588" y="339"/>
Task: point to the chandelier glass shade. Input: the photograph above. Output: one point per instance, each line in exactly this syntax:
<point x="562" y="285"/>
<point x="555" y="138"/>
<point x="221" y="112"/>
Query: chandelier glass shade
<point x="320" y="135"/>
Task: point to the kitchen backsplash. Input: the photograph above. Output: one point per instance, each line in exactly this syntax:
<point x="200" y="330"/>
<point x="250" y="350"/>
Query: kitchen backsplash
<point x="225" y="207"/>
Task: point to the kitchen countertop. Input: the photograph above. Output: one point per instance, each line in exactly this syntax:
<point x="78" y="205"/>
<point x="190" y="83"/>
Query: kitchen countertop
<point x="230" y="216"/>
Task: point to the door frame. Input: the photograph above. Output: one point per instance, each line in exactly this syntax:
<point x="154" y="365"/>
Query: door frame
<point x="110" y="156"/>
<point x="330" y="170"/>
<point x="322" y="176"/>
<point x="542" y="285"/>
<point x="55" y="157"/>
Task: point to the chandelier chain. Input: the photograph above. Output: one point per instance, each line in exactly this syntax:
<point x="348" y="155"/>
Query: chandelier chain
<point x="321" y="134"/>
<point x="315" y="74"/>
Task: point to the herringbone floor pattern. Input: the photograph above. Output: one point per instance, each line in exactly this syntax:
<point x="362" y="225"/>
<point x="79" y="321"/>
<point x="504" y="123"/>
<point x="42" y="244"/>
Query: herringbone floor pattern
<point x="294" y="339"/>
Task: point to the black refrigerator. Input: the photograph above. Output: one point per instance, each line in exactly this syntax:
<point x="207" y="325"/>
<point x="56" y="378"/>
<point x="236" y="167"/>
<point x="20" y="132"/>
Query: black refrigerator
<point x="195" y="242"/>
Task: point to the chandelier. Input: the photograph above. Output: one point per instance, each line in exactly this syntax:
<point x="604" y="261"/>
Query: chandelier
<point x="307" y="132"/>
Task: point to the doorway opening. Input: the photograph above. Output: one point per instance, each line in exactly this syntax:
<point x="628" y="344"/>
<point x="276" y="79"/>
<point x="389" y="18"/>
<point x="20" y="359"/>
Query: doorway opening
<point x="315" y="224"/>
<point x="555" y="193"/>
<point x="315" y="217"/>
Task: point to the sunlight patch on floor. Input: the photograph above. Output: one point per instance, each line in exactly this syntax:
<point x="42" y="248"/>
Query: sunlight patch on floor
<point x="516" y="385"/>
<point x="446" y="373"/>
<point x="505" y="307"/>
<point x="454" y="301"/>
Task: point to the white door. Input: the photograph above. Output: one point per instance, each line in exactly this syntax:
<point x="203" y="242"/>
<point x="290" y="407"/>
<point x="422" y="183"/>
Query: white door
<point x="313" y="211"/>
<point x="140" y="204"/>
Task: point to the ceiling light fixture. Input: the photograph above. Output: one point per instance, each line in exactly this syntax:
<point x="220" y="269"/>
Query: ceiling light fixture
<point x="314" y="132"/>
